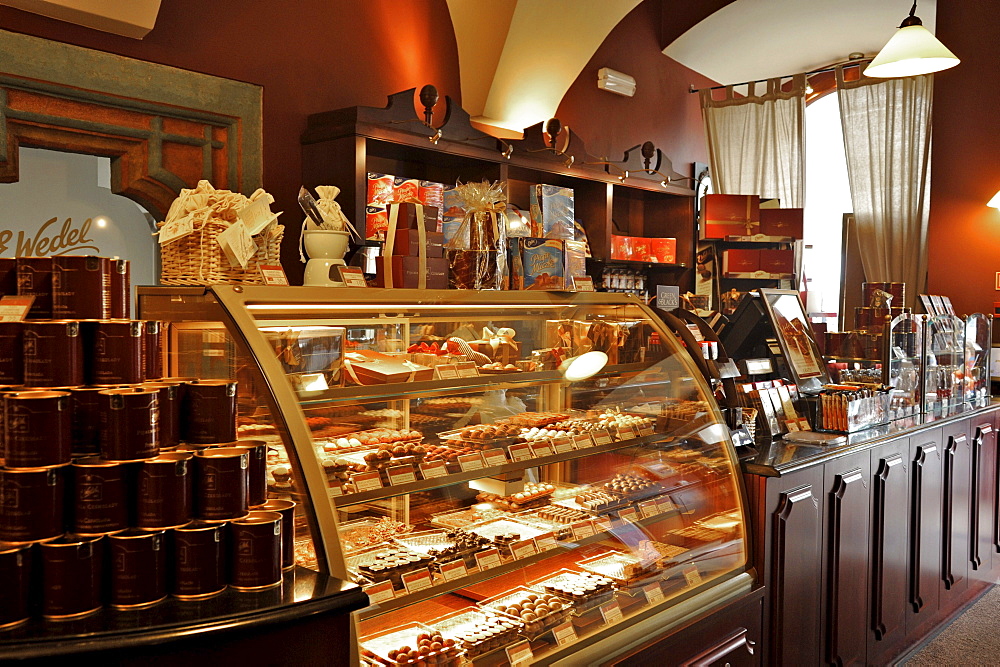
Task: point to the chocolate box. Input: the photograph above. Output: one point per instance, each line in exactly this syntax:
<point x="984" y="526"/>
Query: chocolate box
<point x="405" y="189"/>
<point x="640" y="249"/>
<point x="376" y="221"/>
<point x="406" y="272"/>
<point x="621" y="247"/>
<point x="536" y="264"/>
<point x="379" y="189"/>
<point x="406" y="243"/>
<point x="663" y="251"/>
<point x="740" y="260"/>
<point x="407" y="216"/>
<point x="432" y="194"/>
<point x="780" y="262"/>
<point x="575" y="255"/>
<point x="729" y="215"/>
<point x="367" y="367"/>
<point x="552" y="212"/>
<point x="783" y="222"/>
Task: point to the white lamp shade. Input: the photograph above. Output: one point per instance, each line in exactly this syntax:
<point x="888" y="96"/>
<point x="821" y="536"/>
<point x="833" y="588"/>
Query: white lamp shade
<point x="912" y="50"/>
<point x="995" y="202"/>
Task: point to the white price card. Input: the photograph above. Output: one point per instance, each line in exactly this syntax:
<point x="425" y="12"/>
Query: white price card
<point x="611" y="612"/>
<point x="564" y="633"/>
<point x="14" y="308"/>
<point x="401" y="475"/>
<point x="654" y="593"/>
<point x="495" y="457"/>
<point x="352" y="276"/>
<point x="543" y="448"/>
<point x="367" y="481"/>
<point x="646" y="429"/>
<point x="488" y="559"/>
<point x="626" y="432"/>
<point x="273" y="274"/>
<point x="692" y="575"/>
<point x="417" y="581"/>
<point x="446" y="371"/>
<point x="583" y="440"/>
<point x="545" y="542"/>
<point x="380" y="592"/>
<point x="603" y="524"/>
<point x="433" y="469"/>
<point x="628" y="514"/>
<point x="601" y="437"/>
<point x="519" y="654"/>
<point x="649" y="508"/>
<point x="563" y="445"/>
<point x="336" y="490"/>
<point x="583" y="530"/>
<point x="467" y="369"/>
<point x="454" y="570"/>
<point x="583" y="283"/>
<point x="520" y="452"/>
<point x="523" y="549"/>
<point x="665" y="505"/>
<point x="469" y="462"/>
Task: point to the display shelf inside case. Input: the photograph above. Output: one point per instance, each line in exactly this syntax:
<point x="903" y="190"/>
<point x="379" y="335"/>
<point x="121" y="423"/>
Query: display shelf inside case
<point x="439" y="487"/>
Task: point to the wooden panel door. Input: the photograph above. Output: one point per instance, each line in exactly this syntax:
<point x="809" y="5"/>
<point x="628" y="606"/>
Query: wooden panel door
<point x="889" y="549"/>
<point x="955" y="501"/>
<point x="795" y="543"/>
<point x="847" y="508"/>
<point x="981" y="511"/>
<point x="926" y="465"/>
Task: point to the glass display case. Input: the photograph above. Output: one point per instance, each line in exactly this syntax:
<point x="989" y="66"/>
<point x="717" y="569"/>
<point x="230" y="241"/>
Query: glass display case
<point x="978" y="337"/>
<point x="902" y="366"/>
<point x="944" y="363"/>
<point x="511" y="475"/>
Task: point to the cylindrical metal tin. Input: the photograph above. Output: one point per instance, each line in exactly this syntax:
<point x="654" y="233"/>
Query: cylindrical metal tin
<point x="199" y="565"/>
<point x="53" y="354"/>
<point x="100" y="496"/>
<point x="165" y="491"/>
<point x="33" y="503"/>
<point x="85" y="409"/>
<point x="11" y="353"/>
<point x="210" y="411"/>
<point x="5" y="389"/>
<point x="81" y="287"/>
<point x="255" y="551"/>
<point x="286" y="508"/>
<point x="15" y="583"/>
<point x="8" y="276"/>
<point x="129" y="424"/>
<point x="138" y="568"/>
<point x="154" y="348"/>
<point x="221" y="483"/>
<point x="72" y="576"/>
<point x="38" y="428"/>
<point x="169" y="403"/>
<point x="34" y="278"/>
<point x="121" y="289"/>
<point x="257" y="472"/>
<point x="118" y="352"/>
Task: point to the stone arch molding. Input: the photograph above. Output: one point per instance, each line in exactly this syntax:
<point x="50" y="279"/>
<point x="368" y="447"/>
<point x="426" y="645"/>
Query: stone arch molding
<point x="164" y="128"/>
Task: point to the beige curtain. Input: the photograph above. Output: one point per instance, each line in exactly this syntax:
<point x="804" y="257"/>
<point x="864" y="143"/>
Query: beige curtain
<point x="887" y="137"/>
<point x="756" y="144"/>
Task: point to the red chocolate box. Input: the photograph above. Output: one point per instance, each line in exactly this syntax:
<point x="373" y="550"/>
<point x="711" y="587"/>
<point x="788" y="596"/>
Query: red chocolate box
<point x="784" y="222"/>
<point x="730" y="215"/>
<point x="663" y="251"/>
<point x="739" y="260"/>
<point x="640" y="249"/>
<point x="777" y="261"/>
<point x="406" y="272"/>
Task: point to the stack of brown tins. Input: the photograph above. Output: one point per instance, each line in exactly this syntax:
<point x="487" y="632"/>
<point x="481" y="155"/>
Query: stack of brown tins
<point x="101" y="491"/>
<point x="129" y="424"/>
<point x="221" y="475"/>
<point x="286" y="508"/>
<point x="53" y="353"/>
<point x="34" y="278"/>
<point x="199" y="567"/>
<point x="8" y="276"/>
<point x="117" y="352"/>
<point x="11" y="354"/>
<point x="121" y="289"/>
<point x="81" y="287"/>
<point x="165" y="491"/>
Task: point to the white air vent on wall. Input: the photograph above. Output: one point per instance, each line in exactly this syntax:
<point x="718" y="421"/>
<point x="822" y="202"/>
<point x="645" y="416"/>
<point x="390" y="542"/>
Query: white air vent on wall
<point x="615" y="82"/>
<point x="131" y="18"/>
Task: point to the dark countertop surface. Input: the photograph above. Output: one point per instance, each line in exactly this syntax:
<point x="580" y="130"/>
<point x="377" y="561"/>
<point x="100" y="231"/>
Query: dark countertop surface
<point x="780" y="457"/>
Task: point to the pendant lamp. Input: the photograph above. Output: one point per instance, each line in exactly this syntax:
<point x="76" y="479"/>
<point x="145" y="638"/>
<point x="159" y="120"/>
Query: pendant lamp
<point x="995" y="202"/>
<point x="912" y="50"/>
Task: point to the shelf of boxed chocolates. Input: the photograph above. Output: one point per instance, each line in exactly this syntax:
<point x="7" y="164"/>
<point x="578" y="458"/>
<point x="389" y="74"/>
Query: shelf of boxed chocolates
<point x="528" y="506"/>
<point x="755" y="241"/>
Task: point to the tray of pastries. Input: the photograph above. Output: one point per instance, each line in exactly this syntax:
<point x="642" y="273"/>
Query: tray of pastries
<point x="479" y="632"/>
<point x="583" y="590"/>
<point x="539" y="611"/>
<point x="413" y="644"/>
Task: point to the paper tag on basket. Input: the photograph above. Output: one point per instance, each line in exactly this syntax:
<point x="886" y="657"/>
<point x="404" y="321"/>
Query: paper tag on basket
<point x="257" y="215"/>
<point x="175" y="229"/>
<point x="237" y="245"/>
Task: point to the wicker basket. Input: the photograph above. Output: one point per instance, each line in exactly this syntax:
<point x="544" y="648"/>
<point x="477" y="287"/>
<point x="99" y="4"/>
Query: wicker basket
<point x="198" y="259"/>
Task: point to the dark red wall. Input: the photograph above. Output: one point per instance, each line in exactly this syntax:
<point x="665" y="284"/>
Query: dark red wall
<point x="964" y="235"/>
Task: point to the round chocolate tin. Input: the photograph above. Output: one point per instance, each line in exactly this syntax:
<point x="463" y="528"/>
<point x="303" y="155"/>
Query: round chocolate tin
<point x="257" y="471"/>
<point x="169" y="401"/>
<point x="53" y="353"/>
<point x="81" y="287"/>
<point x="32" y="503"/>
<point x="86" y="419"/>
<point x="11" y="353"/>
<point x="37" y="428"/>
<point x="121" y="289"/>
<point x="5" y="389"/>
<point x="72" y="576"/>
<point x="153" y="353"/>
<point x="15" y="583"/>
<point x="100" y="496"/>
<point x="34" y="278"/>
<point x="199" y="565"/>
<point x="286" y="508"/>
<point x="221" y="483"/>
<point x="210" y="407"/>
<point x="129" y="424"/>
<point x="138" y="568"/>
<point x="255" y="551"/>
<point x="118" y="353"/>
<point x="165" y="490"/>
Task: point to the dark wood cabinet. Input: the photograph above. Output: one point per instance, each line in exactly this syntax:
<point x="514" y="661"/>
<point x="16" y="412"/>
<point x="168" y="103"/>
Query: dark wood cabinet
<point x="982" y="514"/>
<point x="955" y="499"/>
<point x="927" y="463"/>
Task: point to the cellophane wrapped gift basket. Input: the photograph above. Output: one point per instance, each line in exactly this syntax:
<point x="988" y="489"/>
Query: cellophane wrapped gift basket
<point x="214" y="236"/>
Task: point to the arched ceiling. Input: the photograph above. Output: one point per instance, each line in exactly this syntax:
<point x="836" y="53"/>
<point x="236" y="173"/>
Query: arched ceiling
<point x="756" y="39"/>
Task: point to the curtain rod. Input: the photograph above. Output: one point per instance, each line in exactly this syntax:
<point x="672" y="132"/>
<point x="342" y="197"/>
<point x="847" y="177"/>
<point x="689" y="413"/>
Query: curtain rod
<point x="831" y="68"/>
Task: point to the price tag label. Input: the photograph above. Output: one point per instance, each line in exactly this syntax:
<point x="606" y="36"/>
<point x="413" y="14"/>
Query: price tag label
<point x="564" y="633"/>
<point x="519" y="654"/>
<point x="273" y="274"/>
<point x="467" y="369"/>
<point x="380" y="592"/>
<point x="336" y="490"/>
<point x="454" y="570"/>
<point x="352" y="276"/>
<point x="469" y="462"/>
<point x="583" y="440"/>
<point x="545" y="542"/>
<point x="611" y="612"/>
<point x="488" y="559"/>
<point x="367" y="481"/>
<point x="649" y="508"/>
<point x="628" y="514"/>
<point x="520" y="452"/>
<point x="14" y="308"/>
<point x="495" y="457"/>
<point x="523" y="549"/>
<point x="433" y="469"/>
<point x="583" y="530"/>
<point x="692" y="575"/>
<point x="646" y="429"/>
<point x="601" y="437"/>
<point x="583" y="283"/>
<point x="626" y="432"/>
<point x="401" y="475"/>
<point x="665" y="505"/>
<point x="543" y="448"/>
<point x="446" y="371"/>
<point x="654" y="593"/>
<point x="417" y="581"/>
<point x="563" y="445"/>
<point x="603" y="524"/>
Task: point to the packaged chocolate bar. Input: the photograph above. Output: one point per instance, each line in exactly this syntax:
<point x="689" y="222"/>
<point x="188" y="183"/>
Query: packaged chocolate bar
<point x="376" y="221"/>
<point x="432" y="194"/>
<point x="405" y="189"/>
<point x="537" y="264"/>
<point x="575" y="254"/>
<point x="552" y="211"/>
<point x="379" y="189"/>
